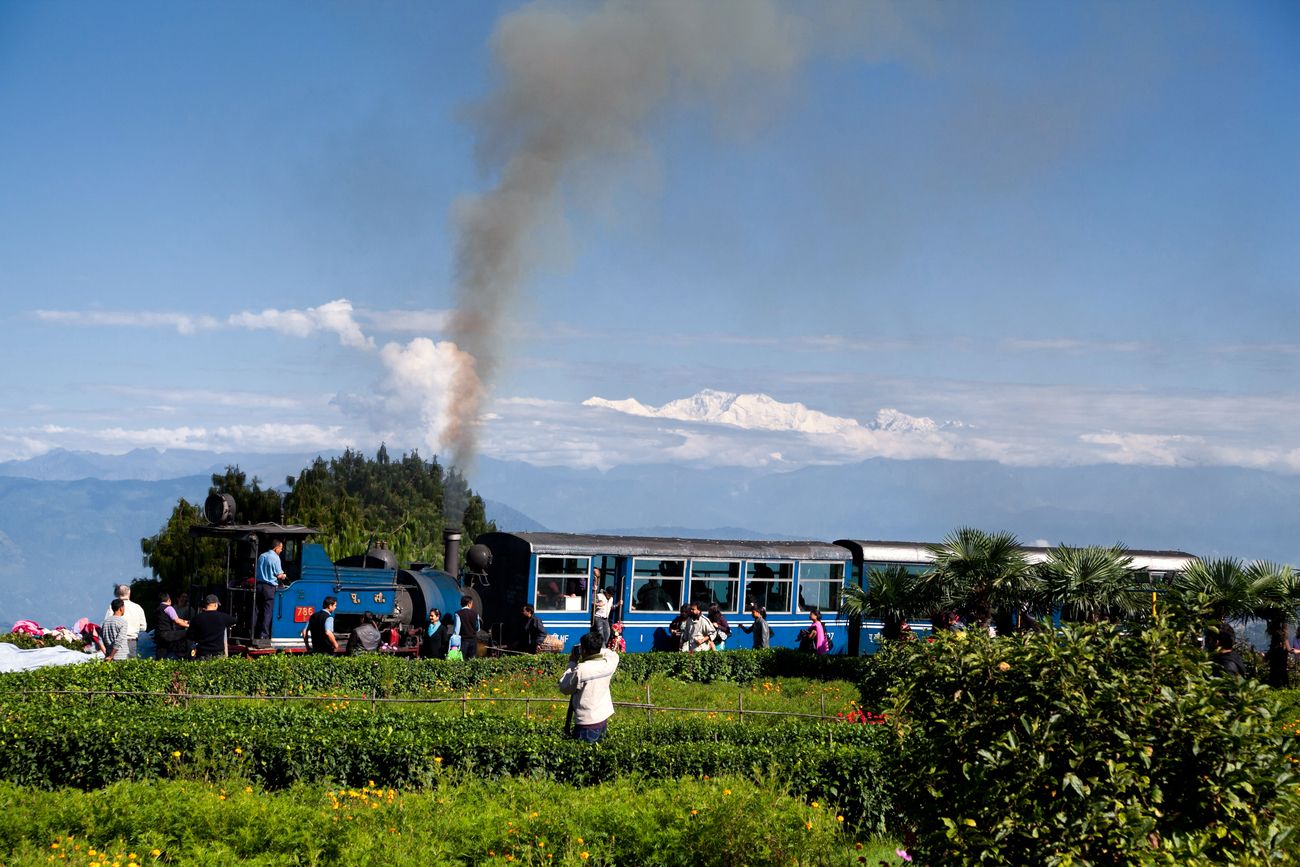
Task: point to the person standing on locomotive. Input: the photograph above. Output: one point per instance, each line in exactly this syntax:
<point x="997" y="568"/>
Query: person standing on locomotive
<point x="469" y="625"/>
<point x="269" y="575"/>
<point x="319" y="633"/>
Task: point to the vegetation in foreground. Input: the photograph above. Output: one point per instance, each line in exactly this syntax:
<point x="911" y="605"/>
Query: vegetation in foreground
<point x="1092" y="746"/>
<point x="471" y="821"/>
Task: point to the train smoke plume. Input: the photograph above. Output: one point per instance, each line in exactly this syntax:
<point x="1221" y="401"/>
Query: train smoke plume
<point x="579" y="85"/>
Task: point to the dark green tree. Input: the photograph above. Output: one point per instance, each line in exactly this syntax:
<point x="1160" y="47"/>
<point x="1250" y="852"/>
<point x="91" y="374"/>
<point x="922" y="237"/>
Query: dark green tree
<point x="352" y="500"/>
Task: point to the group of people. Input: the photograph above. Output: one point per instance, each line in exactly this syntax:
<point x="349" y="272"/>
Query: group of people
<point x="454" y="635"/>
<point x="696" y="630"/>
<point x="179" y="633"/>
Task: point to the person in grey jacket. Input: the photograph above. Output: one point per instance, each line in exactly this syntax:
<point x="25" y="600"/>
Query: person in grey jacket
<point x="762" y="632"/>
<point x="586" y="681"/>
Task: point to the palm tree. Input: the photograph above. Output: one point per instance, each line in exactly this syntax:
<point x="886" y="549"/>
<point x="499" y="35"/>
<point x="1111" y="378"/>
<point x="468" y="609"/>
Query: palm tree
<point x="980" y="575"/>
<point x="893" y="595"/>
<point x="1208" y="591"/>
<point x="1280" y="594"/>
<point x="1092" y="584"/>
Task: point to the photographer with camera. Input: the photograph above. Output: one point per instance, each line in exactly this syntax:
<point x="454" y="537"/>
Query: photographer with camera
<point x="586" y="682"/>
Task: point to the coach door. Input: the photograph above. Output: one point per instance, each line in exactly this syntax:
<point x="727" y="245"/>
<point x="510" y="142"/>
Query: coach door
<point x="611" y="571"/>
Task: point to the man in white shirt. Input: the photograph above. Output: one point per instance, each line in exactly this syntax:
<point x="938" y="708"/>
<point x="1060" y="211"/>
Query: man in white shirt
<point x="133" y="615"/>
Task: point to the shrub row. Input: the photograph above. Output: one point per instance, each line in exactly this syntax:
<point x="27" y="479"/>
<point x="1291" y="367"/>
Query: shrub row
<point x="70" y="744"/>
<point x="388" y="676"/>
<point x="520" y="821"/>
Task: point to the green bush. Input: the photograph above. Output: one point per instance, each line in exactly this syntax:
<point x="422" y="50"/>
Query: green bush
<point x="1090" y="746"/>
<point x="64" y="741"/>
<point x="465" y="821"/>
<point x="389" y="676"/>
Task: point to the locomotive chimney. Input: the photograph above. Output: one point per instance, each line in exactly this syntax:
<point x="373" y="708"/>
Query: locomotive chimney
<point x="451" y="550"/>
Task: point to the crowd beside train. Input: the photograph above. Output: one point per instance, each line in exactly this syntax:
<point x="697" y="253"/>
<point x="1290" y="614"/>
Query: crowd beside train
<point x="184" y="632"/>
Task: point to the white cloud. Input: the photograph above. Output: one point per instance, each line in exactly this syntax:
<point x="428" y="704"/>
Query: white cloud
<point x="183" y="322"/>
<point x="212" y="397"/>
<point x="413" y="400"/>
<point x="254" y="437"/>
<point x="406" y="321"/>
<point x="1069" y="345"/>
<point x="334" y="317"/>
<point x="20" y="448"/>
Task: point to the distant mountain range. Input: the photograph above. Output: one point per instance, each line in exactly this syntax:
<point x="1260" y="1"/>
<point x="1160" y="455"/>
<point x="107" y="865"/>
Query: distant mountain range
<point x="70" y="522"/>
<point x="761" y="412"/>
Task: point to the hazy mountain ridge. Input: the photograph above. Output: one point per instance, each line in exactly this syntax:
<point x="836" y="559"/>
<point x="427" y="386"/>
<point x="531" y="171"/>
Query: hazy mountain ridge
<point x="63" y="542"/>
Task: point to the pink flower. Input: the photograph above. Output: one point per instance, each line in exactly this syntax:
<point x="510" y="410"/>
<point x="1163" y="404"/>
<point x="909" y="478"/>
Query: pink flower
<point x="902" y="853"/>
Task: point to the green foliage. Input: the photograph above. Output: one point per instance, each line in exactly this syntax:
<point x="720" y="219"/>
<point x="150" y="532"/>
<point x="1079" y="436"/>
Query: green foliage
<point x="707" y="822"/>
<point x="389" y="676"/>
<point x="175" y="558"/>
<point x="893" y="595"/>
<point x="351" y="499"/>
<point x="980" y="575"/>
<point x="1091" y="746"/>
<point x="68" y="740"/>
<point x="1093" y="583"/>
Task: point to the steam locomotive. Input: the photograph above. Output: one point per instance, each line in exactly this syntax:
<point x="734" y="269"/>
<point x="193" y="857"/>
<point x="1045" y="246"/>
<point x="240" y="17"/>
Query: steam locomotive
<point x="559" y="573"/>
<point x="371" y="582"/>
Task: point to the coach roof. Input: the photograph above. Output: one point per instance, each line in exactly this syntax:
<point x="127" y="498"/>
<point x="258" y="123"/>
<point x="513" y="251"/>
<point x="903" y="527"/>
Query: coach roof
<point x="669" y="546"/>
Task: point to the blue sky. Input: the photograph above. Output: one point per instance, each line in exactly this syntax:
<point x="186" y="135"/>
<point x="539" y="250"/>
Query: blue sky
<point x="1069" y="229"/>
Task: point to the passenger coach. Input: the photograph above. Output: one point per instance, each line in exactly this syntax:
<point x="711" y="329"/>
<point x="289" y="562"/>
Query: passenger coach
<point x="653" y="577"/>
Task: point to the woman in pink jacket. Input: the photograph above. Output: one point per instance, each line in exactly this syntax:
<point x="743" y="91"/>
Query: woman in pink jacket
<point x="817" y="632"/>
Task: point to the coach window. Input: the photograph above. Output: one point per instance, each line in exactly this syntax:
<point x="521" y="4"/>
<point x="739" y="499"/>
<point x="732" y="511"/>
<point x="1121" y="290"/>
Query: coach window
<point x="562" y="583"/>
<point x="769" y="585"/>
<point x="657" y="584"/>
<point x="820" y="585"/>
<point x="716" y="582"/>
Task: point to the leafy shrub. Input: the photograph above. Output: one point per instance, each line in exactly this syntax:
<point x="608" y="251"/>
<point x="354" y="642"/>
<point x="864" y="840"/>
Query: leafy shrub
<point x="389" y="676"/>
<point x="707" y="822"/>
<point x="1089" y="747"/>
<point x="64" y="741"/>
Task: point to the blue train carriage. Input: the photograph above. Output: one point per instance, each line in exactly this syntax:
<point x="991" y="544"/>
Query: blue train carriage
<point x="653" y="577"/>
<point x="1159" y="567"/>
<point x="372" y="581"/>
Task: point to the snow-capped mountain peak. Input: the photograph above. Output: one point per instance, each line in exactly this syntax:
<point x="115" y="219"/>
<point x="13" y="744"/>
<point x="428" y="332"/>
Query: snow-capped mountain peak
<point x="762" y="412"/>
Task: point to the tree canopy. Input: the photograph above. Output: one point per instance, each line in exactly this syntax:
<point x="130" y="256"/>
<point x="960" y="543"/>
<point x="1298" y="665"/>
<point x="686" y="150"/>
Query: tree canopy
<point x="353" y="500"/>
